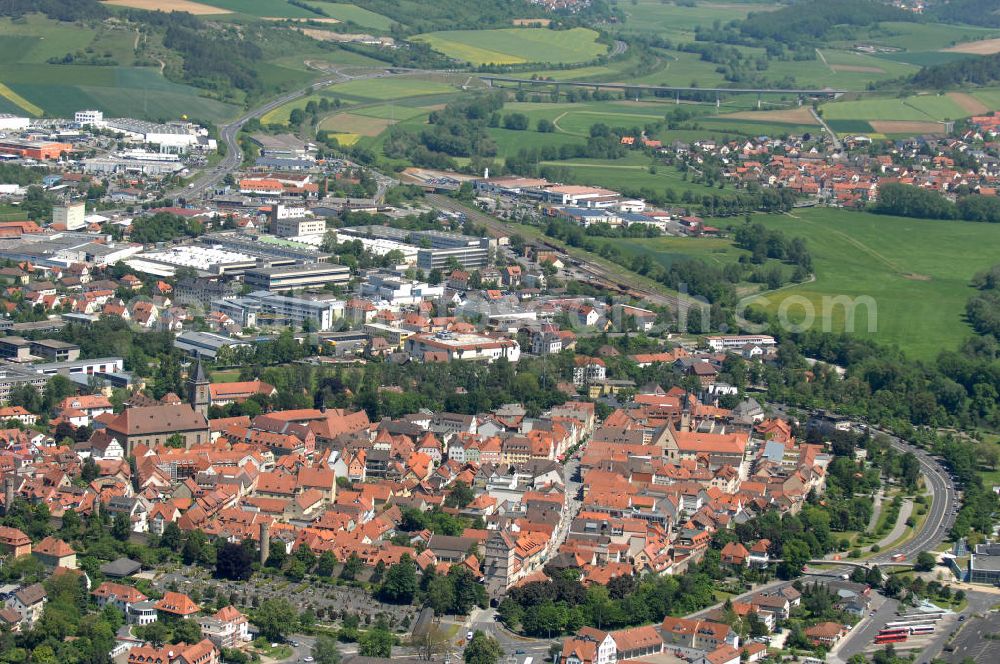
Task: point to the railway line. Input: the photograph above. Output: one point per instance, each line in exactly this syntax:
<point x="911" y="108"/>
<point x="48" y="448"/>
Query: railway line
<point x="593" y="272"/>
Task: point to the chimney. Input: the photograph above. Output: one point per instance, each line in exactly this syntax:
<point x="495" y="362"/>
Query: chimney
<point x="265" y="541"/>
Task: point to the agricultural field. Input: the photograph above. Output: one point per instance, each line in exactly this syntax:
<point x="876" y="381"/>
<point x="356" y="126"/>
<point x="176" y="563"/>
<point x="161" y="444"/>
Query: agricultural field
<point x="839" y="69"/>
<point x="390" y="88"/>
<point x="674" y="21"/>
<point x="917" y="272"/>
<point x="355" y="14"/>
<point x="516" y="45"/>
<point x="917" y="114"/>
<point x="922" y="37"/>
<point x="261" y="8"/>
<point x="189" y="6"/>
<point x="28" y="84"/>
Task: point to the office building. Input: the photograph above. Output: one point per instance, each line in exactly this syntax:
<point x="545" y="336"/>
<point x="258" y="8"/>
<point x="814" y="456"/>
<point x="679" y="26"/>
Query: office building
<point x="293" y="222"/>
<point x="296" y="277"/>
<point x="470" y="257"/>
<point x="264" y="309"/>
<point x="89" y="117"/>
<point x="12" y="376"/>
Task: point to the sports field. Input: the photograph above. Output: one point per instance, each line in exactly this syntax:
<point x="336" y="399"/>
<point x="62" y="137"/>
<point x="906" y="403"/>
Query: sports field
<point x="916" y="271"/>
<point x="516" y="45"/>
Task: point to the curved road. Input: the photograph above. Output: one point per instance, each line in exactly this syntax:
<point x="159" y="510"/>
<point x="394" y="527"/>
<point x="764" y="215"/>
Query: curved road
<point x="227" y="135"/>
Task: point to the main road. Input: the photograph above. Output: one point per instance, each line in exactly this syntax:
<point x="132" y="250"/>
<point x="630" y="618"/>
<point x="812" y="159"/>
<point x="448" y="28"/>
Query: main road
<point x="234" y="155"/>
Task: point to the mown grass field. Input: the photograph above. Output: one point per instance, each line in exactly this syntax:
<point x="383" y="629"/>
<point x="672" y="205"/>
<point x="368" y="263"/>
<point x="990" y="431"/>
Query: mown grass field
<point x="516" y="45"/>
<point x="916" y="271"/>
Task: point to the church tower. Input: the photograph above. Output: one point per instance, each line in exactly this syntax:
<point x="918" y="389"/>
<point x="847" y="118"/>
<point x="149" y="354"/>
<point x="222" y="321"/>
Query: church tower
<point x="197" y="388"/>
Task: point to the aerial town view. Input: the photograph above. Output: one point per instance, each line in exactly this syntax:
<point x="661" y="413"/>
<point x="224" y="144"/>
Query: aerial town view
<point x="499" y="331"/>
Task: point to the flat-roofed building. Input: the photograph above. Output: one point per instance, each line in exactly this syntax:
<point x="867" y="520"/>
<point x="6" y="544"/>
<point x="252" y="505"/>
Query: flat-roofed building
<point x="446" y="346"/>
<point x="264" y="309"/>
<point x="17" y="349"/>
<point x="284" y="226"/>
<point x="466" y="257"/>
<point x="297" y="277"/>
<point x="55" y="350"/>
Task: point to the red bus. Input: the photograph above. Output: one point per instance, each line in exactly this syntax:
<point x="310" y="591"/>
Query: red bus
<point x="890" y="638"/>
<point x="892" y="635"/>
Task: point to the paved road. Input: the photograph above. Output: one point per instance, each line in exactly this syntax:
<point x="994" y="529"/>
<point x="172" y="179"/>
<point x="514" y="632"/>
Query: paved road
<point x="228" y="133"/>
<point x="837" y="145"/>
<point x="228" y="136"/>
<point x="899" y="528"/>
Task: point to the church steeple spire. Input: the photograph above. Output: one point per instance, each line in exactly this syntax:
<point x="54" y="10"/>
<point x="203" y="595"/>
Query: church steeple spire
<point x="198" y="389"/>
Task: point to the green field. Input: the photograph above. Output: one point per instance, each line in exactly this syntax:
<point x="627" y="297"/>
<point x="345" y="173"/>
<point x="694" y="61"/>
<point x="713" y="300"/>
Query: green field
<point x="268" y="8"/>
<point x="390" y="88"/>
<point x="516" y="45"/>
<point x="355" y="14"/>
<point x="668" y="250"/>
<point x="660" y="17"/>
<point x="366" y="91"/>
<point x="916" y="271"/>
<point x="923" y="36"/>
<point x="922" y="108"/>
<point x="630" y="173"/>
<point x="31" y="84"/>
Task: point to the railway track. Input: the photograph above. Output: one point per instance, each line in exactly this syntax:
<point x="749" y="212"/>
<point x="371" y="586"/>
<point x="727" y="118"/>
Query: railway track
<point x="598" y="274"/>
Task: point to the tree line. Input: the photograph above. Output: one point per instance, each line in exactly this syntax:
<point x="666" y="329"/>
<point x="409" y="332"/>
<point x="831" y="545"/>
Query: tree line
<point x="904" y="200"/>
<point x="983" y="309"/>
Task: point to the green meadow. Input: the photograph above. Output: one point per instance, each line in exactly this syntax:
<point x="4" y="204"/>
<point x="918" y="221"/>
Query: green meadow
<point x="355" y="14"/>
<point x="516" y="45"/>
<point x="262" y="8"/>
<point x="917" y="273"/>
